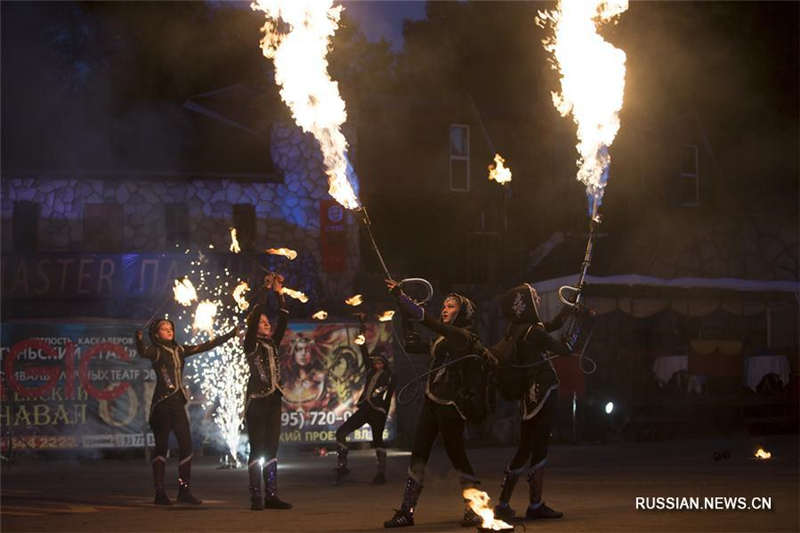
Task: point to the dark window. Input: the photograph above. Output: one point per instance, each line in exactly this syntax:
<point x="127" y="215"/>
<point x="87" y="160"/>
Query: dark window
<point x="176" y="219"/>
<point x="459" y="157"/>
<point x="25" y="226"/>
<point x="102" y="227"/>
<point x="244" y="220"/>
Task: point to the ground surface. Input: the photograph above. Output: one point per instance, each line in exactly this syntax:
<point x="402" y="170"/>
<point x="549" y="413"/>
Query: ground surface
<point x="595" y="486"/>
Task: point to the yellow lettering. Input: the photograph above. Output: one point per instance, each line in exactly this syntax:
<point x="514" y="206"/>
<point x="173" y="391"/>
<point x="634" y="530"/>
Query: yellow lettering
<point x="41" y="414"/>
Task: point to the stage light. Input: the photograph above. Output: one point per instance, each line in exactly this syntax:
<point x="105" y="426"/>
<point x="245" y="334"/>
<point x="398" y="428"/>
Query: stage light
<point x="609" y="408"/>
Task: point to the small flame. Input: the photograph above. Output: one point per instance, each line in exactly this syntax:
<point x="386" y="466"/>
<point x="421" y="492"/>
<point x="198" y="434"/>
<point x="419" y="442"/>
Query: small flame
<point x="479" y="503"/>
<point x="361" y="339"/>
<point x="234" y="242"/>
<point x="320" y="315"/>
<point x="498" y="172"/>
<point x="204" y="316"/>
<point x="297" y="295"/>
<point x="288" y="253"/>
<point x="761" y="453"/>
<point x="386" y="316"/>
<point x="184" y="292"/>
<point x="355" y="300"/>
<point x="238" y="295"/>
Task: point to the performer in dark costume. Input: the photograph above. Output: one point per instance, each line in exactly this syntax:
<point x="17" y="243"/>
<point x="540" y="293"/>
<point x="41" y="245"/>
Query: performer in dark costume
<point x="538" y="384"/>
<point x="167" y="409"/>
<point x="263" y="408"/>
<point x="373" y="408"/>
<point x="453" y="394"/>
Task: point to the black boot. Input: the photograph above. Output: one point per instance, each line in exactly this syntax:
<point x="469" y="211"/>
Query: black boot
<point x="158" y="482"/>
<point x="271" y="500"/>
<point x="537" y="508"/>
<point x="184" y="479"/>
<point x="341" y="462"/>
<point x="404" y="516"/>
<point x="380" y="475"/>
<point x="254" y="472"/>
<point x="503" y="510"/>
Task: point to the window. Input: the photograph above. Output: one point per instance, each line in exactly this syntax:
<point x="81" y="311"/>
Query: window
<point x="244" y="220"/>
<point x="176" y="220"/>
<point x="459" y="157"/>
<point x="25" y="226"/>
<point x="689" y="177"/>
<point x="102" y="227"/>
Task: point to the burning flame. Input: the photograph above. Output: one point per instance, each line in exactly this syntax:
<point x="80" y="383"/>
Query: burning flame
<point x="234" y="242"/>
<point x="592" y="82"/>
<point x="297" y="36"/>
<point x="386" y="316"/>
<point x="498" y="172"/>
<point x="479" y="502"/>
<point x="763" y="454"/>
<point x="204" y="316"/>
<point x="320" y="315"/>
<point x="355" y="300"/>
<point x="184" y="292"/>
<point x="361" y="339"/>
<point x="290" y="254"/>
<point x="297" y="295"/>
<point x="238" y="295"/>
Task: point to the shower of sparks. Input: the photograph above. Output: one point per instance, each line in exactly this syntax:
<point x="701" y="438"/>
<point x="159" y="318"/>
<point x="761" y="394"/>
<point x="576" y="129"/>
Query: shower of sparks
<point x="386" y="316"/>
<point x="204" y="316"/>
<point x="184" y="291"/>
<point x="238" y="295"/>
<point x="355" y="300"/>
<point x="234" y="242"/>
<point x="288" y="253"/>
<point x="320" y="315"/>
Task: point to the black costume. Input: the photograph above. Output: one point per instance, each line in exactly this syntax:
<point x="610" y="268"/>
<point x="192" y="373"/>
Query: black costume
<point x="263" y="407"/>
<point x="539" y="385"/>
<point x="167" y="409"/>
<point x="372" y="408"/>
<point x="453" y="394"/>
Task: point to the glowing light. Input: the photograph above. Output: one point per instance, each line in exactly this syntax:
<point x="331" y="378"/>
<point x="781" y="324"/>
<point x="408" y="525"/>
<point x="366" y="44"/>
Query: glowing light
<point x="762" y="454"/>
<point x="361" y="339"/>
<point x="592" y="82"/>
<point x="499" y="172"/>
<point x="479" y="503"/>
<point x="288" y="253"/>
<point x="234" y="242"/>
<point x="609" y="408"/>
<point x="355" y="300"/>
<point x="297" y="295"/>
<point x="386" y="316"/>
<point x="238" y="295"/>
<point x="204" y="316"/>
<point x="297" y="37"/>
<point x="184" y="292"/>
<point x="320" y="315"/>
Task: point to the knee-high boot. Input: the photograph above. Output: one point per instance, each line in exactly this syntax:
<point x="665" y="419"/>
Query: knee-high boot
<point x="184" y="482"/>
<point x="159" y="466"/>
<point x="271" y="499"/>
<point x="404" y="516"/>
<point x="254" y="474"/>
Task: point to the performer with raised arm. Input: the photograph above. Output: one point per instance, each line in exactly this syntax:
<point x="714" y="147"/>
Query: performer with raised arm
<point x="263" y="407"/>
<point x="533" y="377"/>
<point x="373" y="408"/>
<point x="454" y="393"/>
<point x="168" y="407"/>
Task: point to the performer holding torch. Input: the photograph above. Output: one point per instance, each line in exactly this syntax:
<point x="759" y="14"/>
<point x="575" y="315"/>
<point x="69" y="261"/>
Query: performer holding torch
<point x="168" y="407"/>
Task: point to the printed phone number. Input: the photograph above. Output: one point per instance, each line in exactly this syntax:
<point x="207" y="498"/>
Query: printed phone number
<point x="299" y="420"/>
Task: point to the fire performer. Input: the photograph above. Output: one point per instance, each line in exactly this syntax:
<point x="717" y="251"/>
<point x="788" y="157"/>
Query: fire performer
<point x="455" y="392"/>
<point x="533" y="375"/>
<point x="168" y="407"/>
<point x="373" y="408"/>
<point x="263" y="407"/>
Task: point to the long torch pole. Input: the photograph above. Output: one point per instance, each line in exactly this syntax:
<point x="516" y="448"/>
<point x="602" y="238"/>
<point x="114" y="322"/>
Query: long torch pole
<point x="368" y="224"/>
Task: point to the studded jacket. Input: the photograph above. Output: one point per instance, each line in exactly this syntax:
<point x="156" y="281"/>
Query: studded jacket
<point x="263" y="355"/>
<point x="378" y="386"/>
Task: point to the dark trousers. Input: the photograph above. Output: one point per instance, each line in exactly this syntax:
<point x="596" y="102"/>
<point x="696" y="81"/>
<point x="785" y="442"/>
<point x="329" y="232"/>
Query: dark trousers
<point x="535" y="435"/>
<point x="170" y="415"/>
<point x="264" y="427"/>
<point x="443" y="420"/>
<point x="364" y="415"/>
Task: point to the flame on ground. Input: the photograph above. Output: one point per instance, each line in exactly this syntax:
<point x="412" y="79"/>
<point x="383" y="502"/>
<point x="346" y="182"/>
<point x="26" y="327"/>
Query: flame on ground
<point x="288" y="253"/>
<point x="479" y="502"/>
<point x="204" y="316"/>
<point x="386" y="316"/>
<point x="498" y="171"/>
<point x="761" y="453"/>
<point x="297" y="295"/>
<point x="238" y="295"/>
<point x="297" y="37"/>
<point x="320" y="315"/>
<point x="361" y="339"/>
<point x="592" y="81"/>
<point x="184" y="292"/>
<point x="355" y="300"/>
<point x="234" y="242"/>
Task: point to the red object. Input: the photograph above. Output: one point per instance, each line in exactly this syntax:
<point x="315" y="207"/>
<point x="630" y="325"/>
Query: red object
<point x="333" y="236"/>
<point x="570" y="376"/>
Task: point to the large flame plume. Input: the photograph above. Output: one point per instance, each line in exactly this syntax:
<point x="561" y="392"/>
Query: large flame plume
<point x="184" y="291"/>
<point x="297" y="37"/>
<point x="479" y="503"/>
<point x="592" y="82"/>
<point x="204" y="316"/>
<point x="234" y="242"/>
<point x="498" y="171"/>
<point x="238" y="295"/>
<point x="355" y="300"/>
<point x="288" y="253"/>
<point x="297" y="295"/>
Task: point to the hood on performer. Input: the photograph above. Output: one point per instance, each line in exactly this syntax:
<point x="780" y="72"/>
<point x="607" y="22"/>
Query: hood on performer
<point x="379" y="353"/>
<point x="153" y="332"/>
<point x="465" y="318"/>
<point x="521" y="304"/>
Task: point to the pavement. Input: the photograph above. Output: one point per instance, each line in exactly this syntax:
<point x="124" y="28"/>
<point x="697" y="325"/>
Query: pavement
<point x="596" y="487"/>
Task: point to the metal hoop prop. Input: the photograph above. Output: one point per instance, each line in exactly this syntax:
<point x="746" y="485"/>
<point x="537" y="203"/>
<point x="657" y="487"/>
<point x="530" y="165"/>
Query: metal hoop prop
<point x="422" y="281"/>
